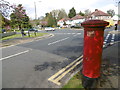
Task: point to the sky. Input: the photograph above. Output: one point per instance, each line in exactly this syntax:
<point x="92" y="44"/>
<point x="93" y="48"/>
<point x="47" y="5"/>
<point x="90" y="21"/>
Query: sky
<point x="44" y="6"/>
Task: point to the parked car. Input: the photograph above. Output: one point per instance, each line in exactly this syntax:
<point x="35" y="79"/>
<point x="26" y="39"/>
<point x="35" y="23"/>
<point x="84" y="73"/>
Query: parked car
<point x="3" y="30"/>
<point x="49" y="29"/>
<point x="33" y="29"/>
<point x="75" y="26"/>
<point x="111" y="23"/>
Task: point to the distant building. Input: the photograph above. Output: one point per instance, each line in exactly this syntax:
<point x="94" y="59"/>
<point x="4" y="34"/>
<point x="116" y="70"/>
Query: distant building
<point x="98" y="14"/>
<point x="64" y="21"/>
<point x="69" y="22"/>
<point x="78" y="19"/>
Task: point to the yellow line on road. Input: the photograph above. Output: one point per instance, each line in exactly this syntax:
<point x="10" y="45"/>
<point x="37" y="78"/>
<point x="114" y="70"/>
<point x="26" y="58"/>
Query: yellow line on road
<point x="62" y="70"/>
<point x="62" y="75"/>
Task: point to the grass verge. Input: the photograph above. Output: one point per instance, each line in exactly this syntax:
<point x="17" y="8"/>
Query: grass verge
<point x="74" y="82"/>
<point x="19" y="35"/>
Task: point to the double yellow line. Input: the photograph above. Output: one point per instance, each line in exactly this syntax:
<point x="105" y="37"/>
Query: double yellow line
<point x="60" y="74"/>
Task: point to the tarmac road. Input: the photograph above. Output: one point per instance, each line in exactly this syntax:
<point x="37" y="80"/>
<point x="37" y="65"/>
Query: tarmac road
<point x="29" y="65"/>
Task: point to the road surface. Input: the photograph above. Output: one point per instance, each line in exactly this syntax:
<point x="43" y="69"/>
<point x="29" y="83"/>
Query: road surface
<point x="29" y="65"/>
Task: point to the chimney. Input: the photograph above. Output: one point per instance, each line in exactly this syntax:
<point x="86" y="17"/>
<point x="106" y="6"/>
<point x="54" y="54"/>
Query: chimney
<point x="96" y="9"/>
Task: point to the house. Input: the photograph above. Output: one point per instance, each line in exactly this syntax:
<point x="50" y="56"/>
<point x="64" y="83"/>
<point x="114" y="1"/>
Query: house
<point x="64" y="21"/>
<point x="77" y="19"/>
<point x="70" y="22"/>
<point x="98" y="14"/>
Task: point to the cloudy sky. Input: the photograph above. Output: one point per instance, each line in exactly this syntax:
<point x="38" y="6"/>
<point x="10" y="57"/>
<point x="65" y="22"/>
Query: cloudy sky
<point x="44" y="6"/>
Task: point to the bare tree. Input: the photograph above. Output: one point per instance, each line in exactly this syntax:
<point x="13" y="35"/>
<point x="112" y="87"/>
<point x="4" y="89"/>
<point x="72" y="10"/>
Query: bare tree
<point x="111" y="12"/>
<point x="59" y="14"/>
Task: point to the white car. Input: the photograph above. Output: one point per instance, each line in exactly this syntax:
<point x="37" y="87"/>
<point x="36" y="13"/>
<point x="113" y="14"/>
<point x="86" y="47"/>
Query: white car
<point x="49" y="29"/>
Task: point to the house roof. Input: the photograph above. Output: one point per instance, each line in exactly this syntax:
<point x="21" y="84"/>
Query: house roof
<point x="43" y="22"/>
<point x="77" y="17"/>
<point x="64" y="19"/>
<point x="99" y="13"/>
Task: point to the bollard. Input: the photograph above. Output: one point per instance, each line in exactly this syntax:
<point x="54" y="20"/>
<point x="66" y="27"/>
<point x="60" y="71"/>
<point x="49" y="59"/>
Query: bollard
<point x="92" y="54"/>
<point x="28" y="33"/>
<point x="35" y="33"/>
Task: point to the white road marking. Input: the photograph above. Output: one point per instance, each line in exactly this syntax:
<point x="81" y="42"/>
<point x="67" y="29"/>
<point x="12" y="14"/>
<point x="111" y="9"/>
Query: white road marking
<point x="73" y="33"/>
<point x="103" y="46"/>
<point x="58" y="41"/>
<point x="106" y="39"/>
<point x="14" y="55"/>
<point x="113" y="36"/>
<point x="104" y="42"/>
<point x="112" y="40"/>
<point x="7" y="46"/>
<point x="76" y="34"/>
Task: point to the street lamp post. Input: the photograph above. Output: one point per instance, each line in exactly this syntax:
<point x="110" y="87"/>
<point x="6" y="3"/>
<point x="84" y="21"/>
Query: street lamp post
<point x="35" y="9"/>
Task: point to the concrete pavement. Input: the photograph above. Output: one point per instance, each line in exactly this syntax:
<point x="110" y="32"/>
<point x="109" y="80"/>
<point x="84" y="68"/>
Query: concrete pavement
<point x="110" y="67"/>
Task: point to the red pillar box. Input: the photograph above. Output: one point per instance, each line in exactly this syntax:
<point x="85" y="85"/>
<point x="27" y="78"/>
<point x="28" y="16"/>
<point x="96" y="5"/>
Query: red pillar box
<point x="93" y="43"/>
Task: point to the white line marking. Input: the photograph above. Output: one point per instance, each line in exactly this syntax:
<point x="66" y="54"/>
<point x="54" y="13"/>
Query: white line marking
<point x="78" y="33"/>
<point x="75" y="35"/>
<point x="113" y="36"/>
<point x="104" y="42"/>
<point x="105" y="39"/>
<point x="24" y="43"/>
<point x="7" y="46"/>
<point x="112" y="40"/>
<point x="103" y="45"/>
<point x="108" y="35"/>
<point x="14" y="55"/>
<point x="58" y="41"/>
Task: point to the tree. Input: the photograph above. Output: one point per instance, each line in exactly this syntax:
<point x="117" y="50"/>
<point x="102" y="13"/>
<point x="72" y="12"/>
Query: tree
<point x="51" y="20"/>
<point x="55" y="13"/>
<point x="87" y="12"/>
<point x="62" y="14"/>
<point x="59" y="14"/>
<point x="118" y="15"/>
<point x="81" y="13"/>
<point x="111" y="12"/>
<point x="19" y="17"/>
<point x="3" y="21"/>
<point x="47" y="14"/>
<point x="72" y="13"/>
<point x="5" y="8"/>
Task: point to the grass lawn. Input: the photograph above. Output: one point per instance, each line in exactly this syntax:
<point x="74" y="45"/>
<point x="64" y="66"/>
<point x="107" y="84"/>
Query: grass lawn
<point x="19" y="35"/>
<point x="74" y="82"/>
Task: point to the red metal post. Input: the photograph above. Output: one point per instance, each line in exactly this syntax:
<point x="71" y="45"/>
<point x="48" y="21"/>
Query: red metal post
<point x="93" y="44"/>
